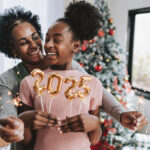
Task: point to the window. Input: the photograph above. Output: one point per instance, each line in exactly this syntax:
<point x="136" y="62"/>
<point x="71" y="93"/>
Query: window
<point x="139" y="50"/>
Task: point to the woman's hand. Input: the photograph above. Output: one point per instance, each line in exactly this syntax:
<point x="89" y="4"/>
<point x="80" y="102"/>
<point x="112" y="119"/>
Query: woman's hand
<point x="35" y="119"/>
<point x="11" y="129"/>
<point x="79" y="123"/>
<point x="133" y="120"/>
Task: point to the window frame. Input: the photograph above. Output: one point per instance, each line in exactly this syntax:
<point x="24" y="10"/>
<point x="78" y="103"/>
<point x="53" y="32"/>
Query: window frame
<point x="131" y="31"/>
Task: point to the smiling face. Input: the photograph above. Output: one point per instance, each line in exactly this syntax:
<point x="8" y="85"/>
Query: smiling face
<point x="59" y="46"/>
<point x="26" y="43"/>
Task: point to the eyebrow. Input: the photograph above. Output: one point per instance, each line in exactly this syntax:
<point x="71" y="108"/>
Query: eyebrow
<point x="25" y="38"/>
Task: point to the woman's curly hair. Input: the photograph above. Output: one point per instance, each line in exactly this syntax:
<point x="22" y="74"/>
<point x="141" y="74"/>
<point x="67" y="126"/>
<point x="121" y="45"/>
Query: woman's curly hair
<point x="84" y="20"/>
<point x="9" y="19"/>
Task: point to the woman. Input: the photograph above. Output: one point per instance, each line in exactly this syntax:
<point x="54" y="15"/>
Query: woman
<point x="32" y="57"/>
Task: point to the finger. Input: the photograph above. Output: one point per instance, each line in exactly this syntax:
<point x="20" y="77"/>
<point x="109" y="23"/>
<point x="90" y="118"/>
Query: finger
<point x="11" y="121"/>
<point x="13" y="138"/>
<point x="70" y="119"/>
<point x="129" y="126"/>
<point x="141" y="124"/>
<point x="41" y="118"/>
<point x="38" y="124"/>
<point x="71" y="125"/>
<point x="54" y="120"/>
<point x="71" y="129"/>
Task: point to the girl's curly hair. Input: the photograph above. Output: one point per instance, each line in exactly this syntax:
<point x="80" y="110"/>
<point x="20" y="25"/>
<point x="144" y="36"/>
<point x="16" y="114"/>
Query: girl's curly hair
<point x="9" y="19"/>
<point x="84" y="20"/>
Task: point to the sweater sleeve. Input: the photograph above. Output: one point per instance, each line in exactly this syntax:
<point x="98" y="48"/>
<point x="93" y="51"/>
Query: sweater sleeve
<point x="96" y="99"/>
<point x="25" y="93"/>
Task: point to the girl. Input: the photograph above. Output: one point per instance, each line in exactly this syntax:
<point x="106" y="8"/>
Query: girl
<point x="63" y="39"/>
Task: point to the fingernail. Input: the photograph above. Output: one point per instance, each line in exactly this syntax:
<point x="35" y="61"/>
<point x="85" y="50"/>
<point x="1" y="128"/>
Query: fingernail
<point x="58" y="129"/>
<point x="16" y="123"/>
<point x="59" y="122"/>
<point x="139" y="119"/>
<point x="60" y="132"/>
<point x="16" y="132"/>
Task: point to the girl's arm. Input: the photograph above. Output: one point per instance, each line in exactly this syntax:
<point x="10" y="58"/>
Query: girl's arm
<point x="88" y="123"/>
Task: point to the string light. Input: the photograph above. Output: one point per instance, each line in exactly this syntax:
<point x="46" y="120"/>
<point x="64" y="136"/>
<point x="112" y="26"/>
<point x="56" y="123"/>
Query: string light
<point x="101" y="57"/>
<point x="9" y="93"/>
<point x="18" y="72"/>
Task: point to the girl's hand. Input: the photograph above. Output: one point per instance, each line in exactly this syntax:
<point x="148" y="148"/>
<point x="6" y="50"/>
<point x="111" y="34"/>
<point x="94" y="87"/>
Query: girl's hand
<point x="79" y="123"/>
<point x="35" y="119"/>
<point x="11" y="129"/>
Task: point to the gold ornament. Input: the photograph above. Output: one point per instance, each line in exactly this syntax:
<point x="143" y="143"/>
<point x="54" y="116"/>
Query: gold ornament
<point x="59" y="77"/>
<point x="111" y="20"/>
<point x="93" y="53"/>
<point x="39" y="89"/>
<point x="107" y="60"/>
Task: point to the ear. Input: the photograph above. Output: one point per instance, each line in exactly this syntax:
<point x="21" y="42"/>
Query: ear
<point x="77" y="45"/>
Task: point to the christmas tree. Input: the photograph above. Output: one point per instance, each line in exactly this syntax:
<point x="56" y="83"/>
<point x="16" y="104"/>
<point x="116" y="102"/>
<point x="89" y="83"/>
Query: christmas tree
<point x="103" y="58"/>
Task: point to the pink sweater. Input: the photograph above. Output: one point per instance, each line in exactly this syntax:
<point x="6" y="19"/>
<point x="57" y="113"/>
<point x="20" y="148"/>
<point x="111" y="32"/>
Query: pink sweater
<point x="50" y="139"/>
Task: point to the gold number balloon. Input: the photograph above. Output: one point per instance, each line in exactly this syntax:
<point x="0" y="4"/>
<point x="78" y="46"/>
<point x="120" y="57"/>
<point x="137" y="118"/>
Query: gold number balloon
<point x="71" y="95"/>
<point x="84" y="86"/>
<point x="59" y="77"/>
<point x="39" y="89"/>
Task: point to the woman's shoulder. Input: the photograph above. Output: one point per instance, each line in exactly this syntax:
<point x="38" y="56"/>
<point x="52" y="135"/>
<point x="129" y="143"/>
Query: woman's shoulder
<point x="8" y="78"/>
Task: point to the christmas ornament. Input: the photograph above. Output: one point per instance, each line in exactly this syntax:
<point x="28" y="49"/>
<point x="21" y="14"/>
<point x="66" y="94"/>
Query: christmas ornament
<point x="93" y="53"/>
<point x="107" y="60"/>
<point x="111" y="20"/>
<point x="111" y="32"/>
<point x="83" y="47"/>
<point x="81" y="64"/>
<point x="98" y="68"/>
<point x="100" y="33"/>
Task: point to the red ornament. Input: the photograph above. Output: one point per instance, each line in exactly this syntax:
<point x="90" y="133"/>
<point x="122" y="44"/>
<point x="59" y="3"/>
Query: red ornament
<point x="81" y="64"/>
<point x="111" y="32"/>
<point x="84" y="48"/>
<point x="100" y="33"/>
<point x="98" y="68"/>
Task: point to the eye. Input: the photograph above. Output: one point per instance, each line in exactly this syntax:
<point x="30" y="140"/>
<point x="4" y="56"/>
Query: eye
<point x="35" y="38"/>
<point x="57" y="40"/>
<point x="23" y="43"/>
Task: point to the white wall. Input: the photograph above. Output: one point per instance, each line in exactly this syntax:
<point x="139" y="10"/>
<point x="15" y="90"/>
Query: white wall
<point x="119" y="10"/>
<point x="48" y="11"/>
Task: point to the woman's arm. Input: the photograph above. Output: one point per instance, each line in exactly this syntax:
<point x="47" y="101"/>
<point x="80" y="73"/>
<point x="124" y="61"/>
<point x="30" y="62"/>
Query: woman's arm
<point x="110" y="105"/>
<point x="95" y="134"/>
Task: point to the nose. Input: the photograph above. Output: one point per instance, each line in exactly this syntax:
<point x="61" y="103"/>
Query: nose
<point x="49" y="44"/>
<point x="33" y="44"/>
